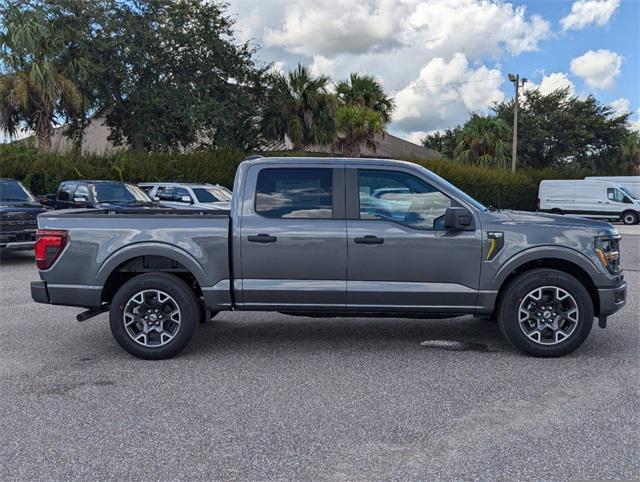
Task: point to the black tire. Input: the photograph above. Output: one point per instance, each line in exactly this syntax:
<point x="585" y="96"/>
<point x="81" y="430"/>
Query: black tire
<point x="629" y="217"/>
<point x="556" y="211"/>
<point x="179" y="291"/>
<point x="525" y="283"/>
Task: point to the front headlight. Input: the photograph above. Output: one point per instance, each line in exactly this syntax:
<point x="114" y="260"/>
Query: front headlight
<point x="608" y="252"/>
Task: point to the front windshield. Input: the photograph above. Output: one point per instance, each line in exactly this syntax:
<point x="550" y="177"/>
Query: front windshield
<point x="14" y="191"/>
<point x="460" y="194"/>
<point x="120" y="193"/>
<point x="212" y="194"/>
<point x="626" y="191"/>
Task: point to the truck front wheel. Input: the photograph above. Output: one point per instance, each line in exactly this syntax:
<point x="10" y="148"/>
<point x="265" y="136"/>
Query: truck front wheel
<point x="154" y="315"/>
<point x="546" y="313"/>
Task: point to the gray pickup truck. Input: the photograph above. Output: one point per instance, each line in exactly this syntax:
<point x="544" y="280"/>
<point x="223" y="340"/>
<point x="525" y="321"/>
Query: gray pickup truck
<point x="333" y="237"/>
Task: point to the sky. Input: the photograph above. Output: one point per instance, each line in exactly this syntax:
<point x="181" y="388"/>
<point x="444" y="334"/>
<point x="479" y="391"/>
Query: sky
<point x="443" y="59"/>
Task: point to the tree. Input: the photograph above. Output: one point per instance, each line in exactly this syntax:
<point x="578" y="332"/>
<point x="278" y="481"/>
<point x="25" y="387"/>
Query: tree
<point x="299" y="106"/>
<point x="558" y="129"/>
<point x="443" y="142"/>
<point x="357" y="126"/>
<point x="365" y="91"/>
<point x="36" y="84"/>
<point x="167" y="75"/>
<point x="484" y="141"/>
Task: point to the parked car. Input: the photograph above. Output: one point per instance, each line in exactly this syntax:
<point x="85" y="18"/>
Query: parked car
<point x="299" y="241"/>
<point x="631" y="184"/>
<point x="80" y="194"/>
<point x="18" y="211"/>
<point x="180" y="195"/>
<point x="589" y="198"/>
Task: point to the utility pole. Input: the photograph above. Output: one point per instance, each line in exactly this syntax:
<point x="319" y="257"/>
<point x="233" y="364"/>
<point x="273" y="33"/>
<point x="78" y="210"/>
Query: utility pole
<point x="514" y="145"/>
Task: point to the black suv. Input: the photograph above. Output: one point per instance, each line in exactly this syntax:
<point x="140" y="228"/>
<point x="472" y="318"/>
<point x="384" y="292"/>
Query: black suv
<point x="18" y="211"/>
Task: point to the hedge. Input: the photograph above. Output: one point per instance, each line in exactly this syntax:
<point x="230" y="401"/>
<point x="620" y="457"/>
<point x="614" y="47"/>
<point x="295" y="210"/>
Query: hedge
<point x="42" y="173"/>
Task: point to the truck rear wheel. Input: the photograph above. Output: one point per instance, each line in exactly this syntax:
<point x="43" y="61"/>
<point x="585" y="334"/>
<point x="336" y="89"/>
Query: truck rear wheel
<point x="154" y="315"/>
<point x="546" y="313"/>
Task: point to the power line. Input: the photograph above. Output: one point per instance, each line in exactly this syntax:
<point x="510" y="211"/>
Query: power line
<point x="458" y="82"/>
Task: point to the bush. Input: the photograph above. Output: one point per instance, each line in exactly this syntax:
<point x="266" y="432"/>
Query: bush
<point x="42" y="173"/>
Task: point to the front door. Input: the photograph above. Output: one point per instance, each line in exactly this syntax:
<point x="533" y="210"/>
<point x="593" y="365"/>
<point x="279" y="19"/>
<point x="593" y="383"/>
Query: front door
<point x="293" y="239"/>
<point x="400" y="257"/>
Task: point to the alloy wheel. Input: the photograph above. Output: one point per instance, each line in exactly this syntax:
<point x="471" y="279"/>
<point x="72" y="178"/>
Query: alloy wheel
<point x="548" y="315"/>
<point x="152" y="318"/>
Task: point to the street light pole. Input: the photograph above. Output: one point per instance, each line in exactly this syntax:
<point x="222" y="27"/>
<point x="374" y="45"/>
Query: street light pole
<point x="514" y="144"/>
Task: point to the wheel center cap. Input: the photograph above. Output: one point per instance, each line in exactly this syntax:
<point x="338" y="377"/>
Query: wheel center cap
<point x="546" y="315"/>
<point x="153" y="317"/>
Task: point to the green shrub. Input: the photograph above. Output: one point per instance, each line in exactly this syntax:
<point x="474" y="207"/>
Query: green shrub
<point x="42" y="173"/>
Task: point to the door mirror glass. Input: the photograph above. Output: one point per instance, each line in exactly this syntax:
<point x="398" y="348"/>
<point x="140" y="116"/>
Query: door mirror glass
<point x="457" y="219"/>
<point x="185" y="199"/>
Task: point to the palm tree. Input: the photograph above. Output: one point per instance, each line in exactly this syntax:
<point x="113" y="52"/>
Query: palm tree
<point x="300" y="107"/>
<point x="33" y="87"/>
<point x="366" y="91"/>
<point x="484" y="141"/>
<point x="357" y="126"/>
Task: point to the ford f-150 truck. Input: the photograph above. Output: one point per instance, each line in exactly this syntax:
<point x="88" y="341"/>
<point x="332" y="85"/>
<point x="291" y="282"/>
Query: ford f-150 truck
<point x="333" y="237"/>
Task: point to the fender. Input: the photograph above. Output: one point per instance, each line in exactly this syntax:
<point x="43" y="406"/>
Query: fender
<point x="548" y="252"/>
<point x="151" y="249"/>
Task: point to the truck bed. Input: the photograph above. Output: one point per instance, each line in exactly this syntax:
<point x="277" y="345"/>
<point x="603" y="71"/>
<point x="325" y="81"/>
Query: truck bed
<point x="100" y="241"/>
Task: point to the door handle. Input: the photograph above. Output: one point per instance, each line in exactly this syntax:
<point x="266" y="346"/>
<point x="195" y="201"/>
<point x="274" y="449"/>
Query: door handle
<point x="369" y="240"/>
<point x="262" y="238"/>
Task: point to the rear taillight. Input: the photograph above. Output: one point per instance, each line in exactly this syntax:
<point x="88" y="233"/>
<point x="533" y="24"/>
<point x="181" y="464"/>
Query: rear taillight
<point x="49" y="245"/>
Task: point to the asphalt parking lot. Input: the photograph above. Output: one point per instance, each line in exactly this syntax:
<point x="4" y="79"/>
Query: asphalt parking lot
<point x="268" y="396"/>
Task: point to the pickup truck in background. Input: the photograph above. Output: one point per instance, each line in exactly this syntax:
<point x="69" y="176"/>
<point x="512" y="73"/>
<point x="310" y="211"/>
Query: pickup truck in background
<point x="80" y="194"/>
<point x="18" y="212"/>
<point x="333" y="237"/>
<point x="188" y="195"/>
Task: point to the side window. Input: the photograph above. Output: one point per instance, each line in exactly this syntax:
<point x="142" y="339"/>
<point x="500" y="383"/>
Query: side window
<point x="402" y="198"/>
<point x="179" y="193"/>
<point x="295" y="193"/>
<point x="65" y="192"/>
<point x="615" y="195"/>
<point x="82" y="192"/>
<point x="165" y="193"/>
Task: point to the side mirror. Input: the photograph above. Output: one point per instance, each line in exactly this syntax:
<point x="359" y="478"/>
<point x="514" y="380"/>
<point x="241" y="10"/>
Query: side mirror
<point x="457" y="219"/>
<point x="185" y="199"/>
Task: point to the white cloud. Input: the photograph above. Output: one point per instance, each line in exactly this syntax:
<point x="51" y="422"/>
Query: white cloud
<point x="635" y="124"/>
<point x="598" y="68"/>
<point x="437" y="27"/>
<point x="551" y="82"/>
<point x="621" y="106"/>
<point x="318" y="28"/>
<point x="396" y="40"/>
<point x="475" y="28"/>
<point x="587" y="12"/>
<point x="445" y="93"/>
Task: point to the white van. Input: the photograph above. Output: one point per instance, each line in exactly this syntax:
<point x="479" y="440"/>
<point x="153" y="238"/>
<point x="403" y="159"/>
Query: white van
<point x="630" y="183"/>
<point x="589" y="198"/>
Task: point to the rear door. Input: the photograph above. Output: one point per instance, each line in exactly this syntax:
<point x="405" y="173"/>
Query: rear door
<point x="293" y="238"/>
<point x="400" y="256"/>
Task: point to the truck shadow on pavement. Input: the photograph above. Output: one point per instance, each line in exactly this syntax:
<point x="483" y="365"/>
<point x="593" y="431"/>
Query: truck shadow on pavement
<point x="321" y="334"/>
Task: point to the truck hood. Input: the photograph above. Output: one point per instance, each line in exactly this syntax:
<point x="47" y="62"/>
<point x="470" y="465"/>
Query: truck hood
<point x="558" y="221"/>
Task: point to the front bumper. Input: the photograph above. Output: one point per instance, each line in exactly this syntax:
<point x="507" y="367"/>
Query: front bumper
<point x="19" y="240"/>
<point x="612" y="299"/>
